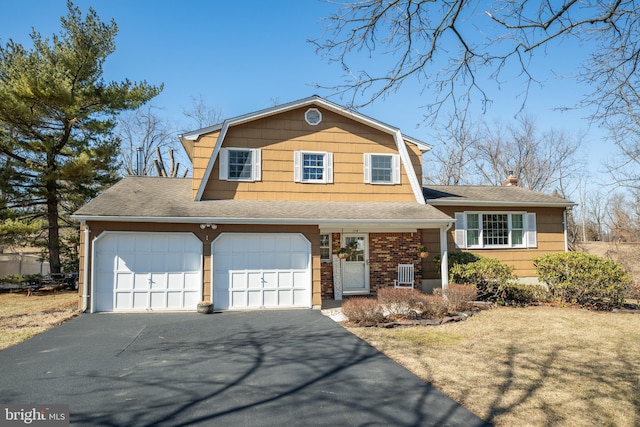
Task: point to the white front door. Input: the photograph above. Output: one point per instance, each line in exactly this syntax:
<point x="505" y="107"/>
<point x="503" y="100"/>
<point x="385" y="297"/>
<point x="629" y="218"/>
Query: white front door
<point x="355" y="271"/>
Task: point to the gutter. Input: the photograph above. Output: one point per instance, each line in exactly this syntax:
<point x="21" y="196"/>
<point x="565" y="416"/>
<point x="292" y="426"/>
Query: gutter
<point x="267" y="221"/>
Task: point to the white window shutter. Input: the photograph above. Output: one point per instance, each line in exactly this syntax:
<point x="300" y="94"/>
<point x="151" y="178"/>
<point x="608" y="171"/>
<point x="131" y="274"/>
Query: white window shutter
<point x="223" y="158"/>
<point x="297" y="166"/>
<point x="395" y="161"/>
<point x="461" y="230"/>
<point x="329" y="168"/>
<point x="367" y="168"/>
<point x="532" y="238"/>
<point x="256" y="155"/>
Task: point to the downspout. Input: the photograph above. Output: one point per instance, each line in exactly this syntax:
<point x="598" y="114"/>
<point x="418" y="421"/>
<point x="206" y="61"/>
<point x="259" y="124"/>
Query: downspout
<point x="566" y="234"/>
<point x="444" y="254"/>
<point x="85" y="273"/>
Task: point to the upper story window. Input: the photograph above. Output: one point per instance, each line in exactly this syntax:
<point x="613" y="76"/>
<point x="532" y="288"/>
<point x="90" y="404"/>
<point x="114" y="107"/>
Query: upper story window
<point x="313" y="167"/>
<point x="313" y="116"/>
<point x="240" y="164"/>
<point x="495" y="230"/>
<point x="381" y="168"/>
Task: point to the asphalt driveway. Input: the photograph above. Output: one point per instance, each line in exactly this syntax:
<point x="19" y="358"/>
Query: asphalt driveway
<point x="260" y="368"/>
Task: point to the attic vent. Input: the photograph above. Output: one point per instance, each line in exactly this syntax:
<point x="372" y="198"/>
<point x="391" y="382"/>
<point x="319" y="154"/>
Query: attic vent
<point x="313" y="116"/>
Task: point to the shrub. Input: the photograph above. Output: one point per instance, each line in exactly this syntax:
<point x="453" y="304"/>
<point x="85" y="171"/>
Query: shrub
<point x="400" y="302"/>
<point x="362" y="309"/>
<point x="460" y="297"/>
<point x="583" y="278"/>
<point x="526" y="294"/>
<point x="489" y="275"/>
<point x="433" y="307"/>
<point x="633" y="291"/>
<point x="454" y="258"/>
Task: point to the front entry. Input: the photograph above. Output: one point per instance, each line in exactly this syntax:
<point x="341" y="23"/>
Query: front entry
<point x="355" y="272"/>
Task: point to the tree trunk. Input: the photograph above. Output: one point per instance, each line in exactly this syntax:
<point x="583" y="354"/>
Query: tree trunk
<point x="53" y="228"/>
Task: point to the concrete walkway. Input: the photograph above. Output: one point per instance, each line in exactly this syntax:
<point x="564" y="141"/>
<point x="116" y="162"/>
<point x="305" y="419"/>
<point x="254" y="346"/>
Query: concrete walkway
<point x="259" y="368"/>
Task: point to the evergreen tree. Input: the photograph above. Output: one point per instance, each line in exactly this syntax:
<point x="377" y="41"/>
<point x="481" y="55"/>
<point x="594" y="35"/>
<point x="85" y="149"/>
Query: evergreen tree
<point x="57" y="115"/>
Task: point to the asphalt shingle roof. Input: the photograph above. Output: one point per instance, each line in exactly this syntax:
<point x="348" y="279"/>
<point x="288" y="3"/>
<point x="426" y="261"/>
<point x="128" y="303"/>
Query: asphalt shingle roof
<point x="472" y="195"/>
<point x="154" y="197"/>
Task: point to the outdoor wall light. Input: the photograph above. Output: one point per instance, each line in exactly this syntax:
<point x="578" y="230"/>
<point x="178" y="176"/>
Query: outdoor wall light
<point x="208" y="225"/>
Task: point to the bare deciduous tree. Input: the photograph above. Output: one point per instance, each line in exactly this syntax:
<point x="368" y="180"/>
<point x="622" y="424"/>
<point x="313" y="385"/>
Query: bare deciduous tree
<point x="202" y="114"/>
<point x="142" y="129"/>
<point x="452" y="46"/>
<point x="483" y="153"/>
<point x="542" y="161"/>
<point x="448" y="163"/>
<point x="623" y="212"/>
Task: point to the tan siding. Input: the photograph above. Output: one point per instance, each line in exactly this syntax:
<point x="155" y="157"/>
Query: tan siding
<point x="279" y="136"/>
<point x="312" y="234"/>
<point x="202" y="152"/>
<point x="550" y="233"/>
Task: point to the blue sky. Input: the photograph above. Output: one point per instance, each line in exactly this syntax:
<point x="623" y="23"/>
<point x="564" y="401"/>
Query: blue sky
<point x="242" y="56"/>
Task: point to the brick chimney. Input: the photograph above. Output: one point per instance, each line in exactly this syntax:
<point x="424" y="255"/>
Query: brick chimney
<point x="511" y="180"/>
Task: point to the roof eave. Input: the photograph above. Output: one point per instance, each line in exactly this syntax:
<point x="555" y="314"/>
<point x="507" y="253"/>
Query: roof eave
<point x="267" y="221"/>
<point x="486" y="203"/>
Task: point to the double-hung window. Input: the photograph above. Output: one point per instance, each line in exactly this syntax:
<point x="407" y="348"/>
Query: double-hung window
<point x="381" y="168"/>
<point x="486" y="230"/>
<point x="313" y="167"/>
<point x="240" y="164"/>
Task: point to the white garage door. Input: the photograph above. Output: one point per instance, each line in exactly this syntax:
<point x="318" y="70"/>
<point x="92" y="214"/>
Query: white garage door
<point x="147" y="271"/>
<point x="267" y="270"/>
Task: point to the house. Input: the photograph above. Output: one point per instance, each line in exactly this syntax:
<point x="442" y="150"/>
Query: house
<point x="274" y="196"/>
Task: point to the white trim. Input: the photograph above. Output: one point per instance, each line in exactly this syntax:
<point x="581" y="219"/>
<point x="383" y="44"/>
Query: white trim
<point x="212" y="160"/>
<point x="298" y="167"/>
<point x="411" y="173"/>
<point x="395" y="168"/>
<point x="314" y="100"/>
<point x="256" y="164"/>
<point x="444" y="256"/>
<point x="467" y="203"/>
<point x="306" y="116"/>
<point x="85" y="274"/>
<point x="323" y="222"/>
<point x="529" y="230"/>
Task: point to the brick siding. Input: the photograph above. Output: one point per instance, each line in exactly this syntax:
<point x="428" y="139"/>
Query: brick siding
<point x="386" y="251"/>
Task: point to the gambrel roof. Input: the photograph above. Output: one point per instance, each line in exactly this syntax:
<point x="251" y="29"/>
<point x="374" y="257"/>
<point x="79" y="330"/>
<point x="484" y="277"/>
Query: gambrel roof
<point x="189" y="138"/>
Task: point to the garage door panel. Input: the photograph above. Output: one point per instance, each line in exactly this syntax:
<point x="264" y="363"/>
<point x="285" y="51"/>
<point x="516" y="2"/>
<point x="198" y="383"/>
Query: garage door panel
<point x="254" y="280"/>
<point x="284" y="279"/>
<point x="124" y="300"/>
<point x="270" y="279"/>
<point x="299" y="296"/>
<point x="175" y="280"/>
<point x="261" y="270"/>
<point x="254" y="299"/>
<point x="174" y="300"/>
<point x="140" y="301"/>
<point x="142" y="271"/>
<point x="238" y="280"/>
<point x="124" y="281"/>
<point x="158" y="281"/>
<point x="158" y="300"/>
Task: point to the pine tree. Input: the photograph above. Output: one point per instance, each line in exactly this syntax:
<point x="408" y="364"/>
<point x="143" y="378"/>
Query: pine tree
<point x="57" y="115"/>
